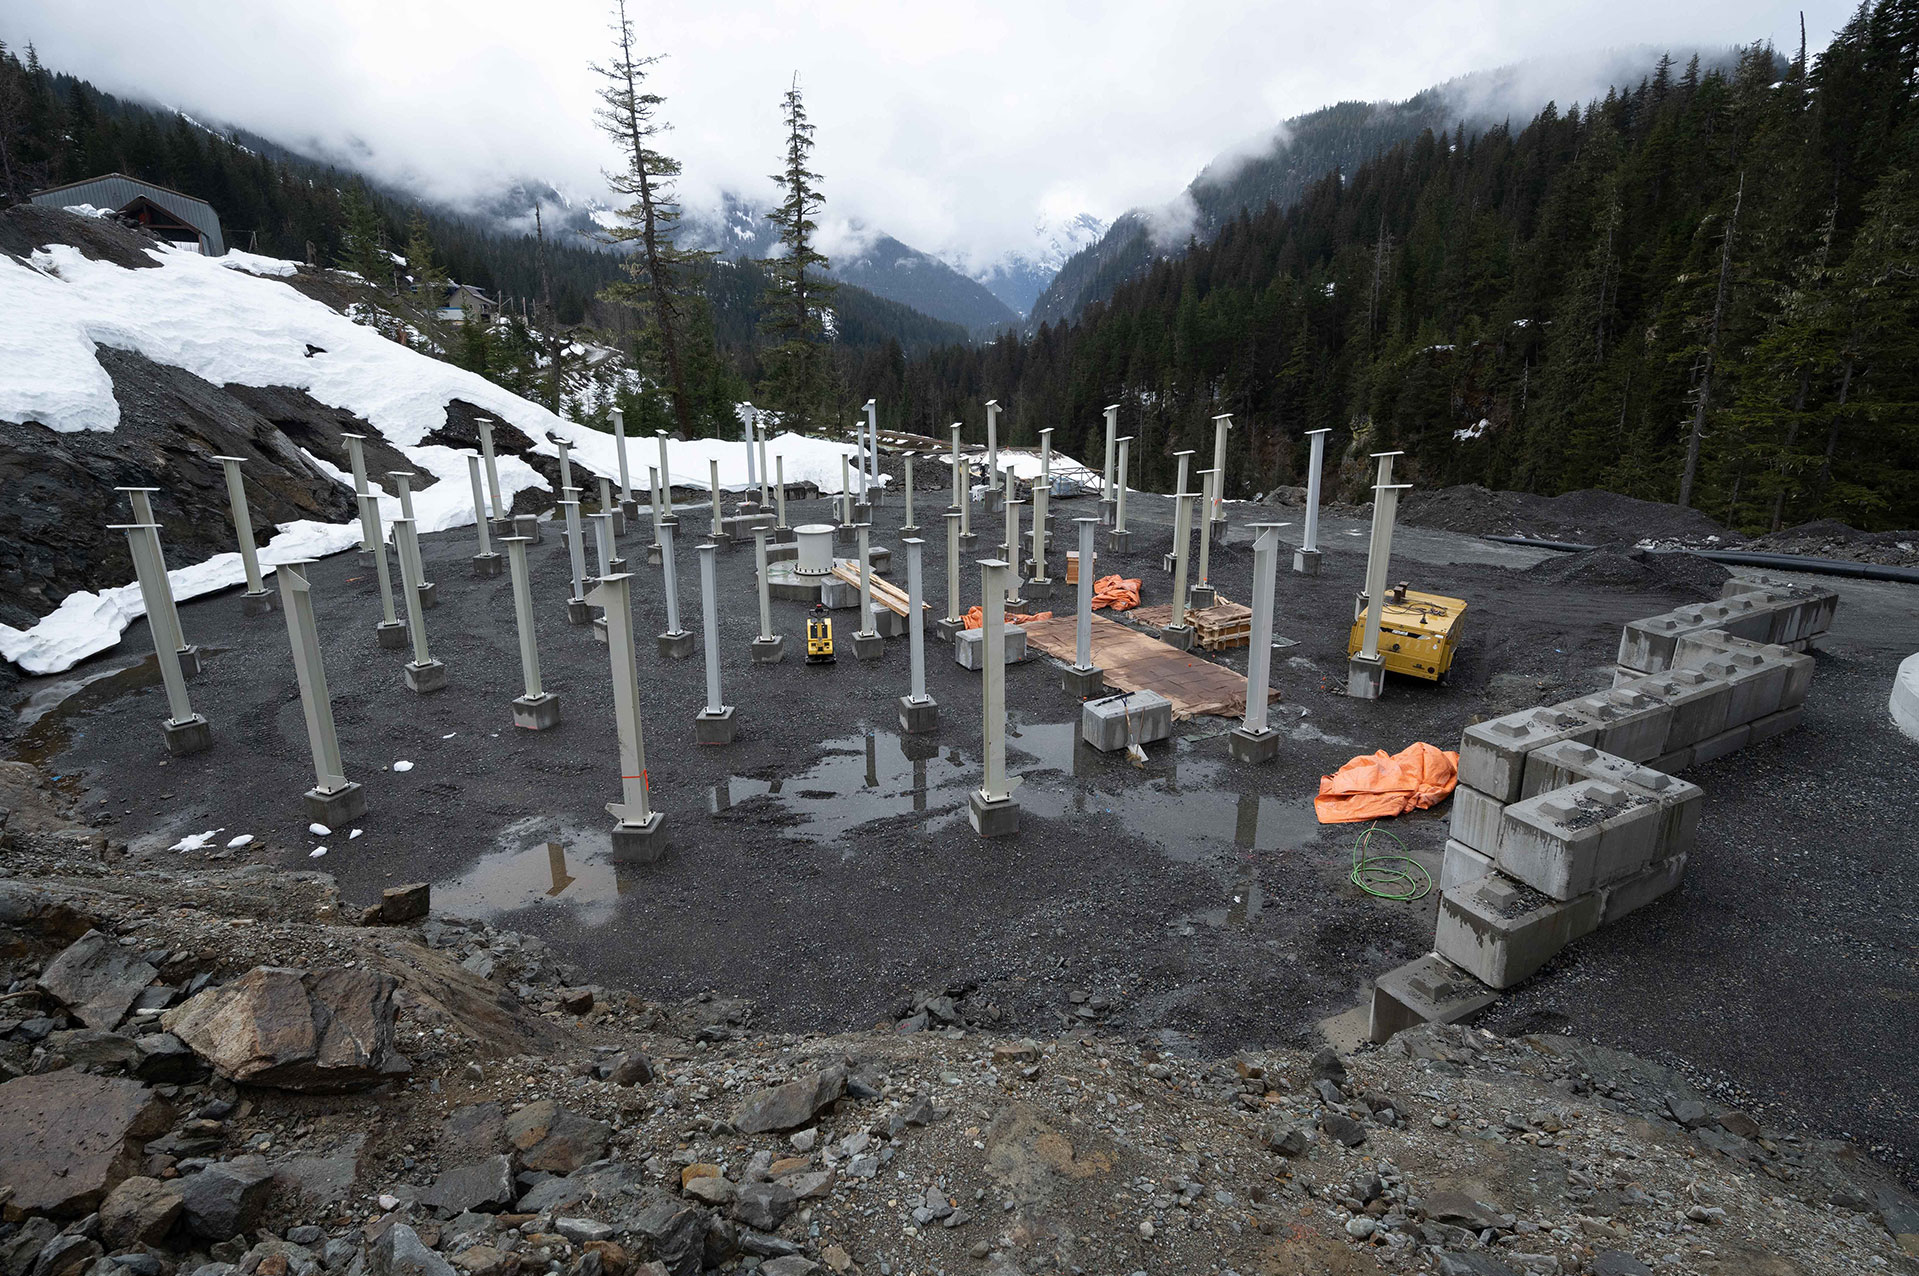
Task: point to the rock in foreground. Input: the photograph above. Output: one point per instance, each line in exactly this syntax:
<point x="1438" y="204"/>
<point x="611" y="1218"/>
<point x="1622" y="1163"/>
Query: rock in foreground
<point x="316" y="1030"/>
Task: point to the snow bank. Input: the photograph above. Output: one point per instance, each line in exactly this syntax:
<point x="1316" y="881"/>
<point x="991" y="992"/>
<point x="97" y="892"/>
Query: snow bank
<point x="218" y="318"/>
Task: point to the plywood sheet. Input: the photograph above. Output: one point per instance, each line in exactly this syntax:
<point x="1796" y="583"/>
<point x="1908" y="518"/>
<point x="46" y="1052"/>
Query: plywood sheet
<point x="1135" y="662"/>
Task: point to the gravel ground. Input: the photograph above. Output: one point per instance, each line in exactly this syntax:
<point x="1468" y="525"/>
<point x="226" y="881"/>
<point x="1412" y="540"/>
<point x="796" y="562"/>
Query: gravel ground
<point x="824" y="868"/>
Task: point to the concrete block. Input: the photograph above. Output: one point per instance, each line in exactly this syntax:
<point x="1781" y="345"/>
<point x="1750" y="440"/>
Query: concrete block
<point x="867" y="646"/>
<point x="1631" y="724"/>
<point x="837" y="595"/>
<point x="1428" y="989"/>
<point x="1087" y="684"/>
<point x="1716" y="747"/>
<point x="1132" y="717"/>
<point x="537" y="713"/>
<point x="1558" y="765"/>
<point x="1492" y="755"/>
<point x="880" y="557"/>
<point x="1695" y="651"/>
<point x="487" y="565"/>
<point x="1254" y="748"/>
<point x="1572" y="840"/>
<point x="784" y="582"/>
<point x="1039" y="588"/>
<point x="192" y="736"/>
<point x="769" y="651"/>
<point x="577" y="612"/>
<point x="715" y="728"/>
<point x="392" y="636"/>
<point x="1462" y="864"/>
<point x="677" y="646"/>
<point x="342" y="806"/>
<point x="1698" y="703"/>
<point x="1119" y="542"/>
<point x="642" y="843"/>
<point x="1775" y="724"/>
<point x="527" y="525"/>
<point x="886" y="622"/>
<point x="1757" y="683"/>
<point x="999" y="818"/>
<point x="1180" y="636"/>
<point x="947" y="628"/>
<point x="969" y="542"/>
<point x="1306" y="562"/>
<point x="1648" y="644"/>
<point x="426" y="678"/>
<point x="1641" y="889"/>
<point x="429" y="596"/>
<point x="1501" y="931"/>
<point x="260" y="604"/>
<point x="846" y="534"/>
<point x="654" y="554"/>
<point x="969" y="644"/>
<point x="599" y="629"/>
<point x="1675" y="762"/>
<point x="1476" y="819"/>
<point x="1200" y="597"/>
<point x="918" y="716"/>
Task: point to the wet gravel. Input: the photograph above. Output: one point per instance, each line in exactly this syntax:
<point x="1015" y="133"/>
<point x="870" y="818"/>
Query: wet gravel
<point x="822" y="865"/>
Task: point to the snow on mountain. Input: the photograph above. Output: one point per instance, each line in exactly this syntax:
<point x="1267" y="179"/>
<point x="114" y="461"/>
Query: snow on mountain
<point x="1018" y="276"/>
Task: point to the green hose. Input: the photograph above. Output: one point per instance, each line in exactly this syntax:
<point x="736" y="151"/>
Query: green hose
<point x="1396" y="877"/>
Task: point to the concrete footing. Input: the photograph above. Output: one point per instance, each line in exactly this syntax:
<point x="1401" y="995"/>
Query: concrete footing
<point x="1111" y="723"/>
<point x="993" y="502"/>
<point x="1365" y="679"/>
<point x="1039" y="588"/>
<point x="769" y="651"/>
<point x="578" y="612"/>
<point x="677" y="646"/>
<point x="392" y="634"/>
<point x="620" y="516"/>
<point x="868" y="645"/>
<point x="192" y="736"/>
<point x="642" y="843"/>
<point x="998" y="818"/>
<point x="918" y="716"/>
<point x="537" y="713"/>
<point x="886" y="622"/>
<point x="429" y="596"/>
<point x="1200" y="597"/>
<point x="190" y="662"/>
<point x="1306" y="562"/>
<point x="970" y="644"/>
<point x="1180" y="636"/>
<point x="340" y="807"/>
<point x="785" y="536"/>
<point x="715" y="728"/>
<point x="1108" y="511"/>
<point x="1087" y="684"/>
<point x="426" y="678"/>
<point x="969" y="542"/>
<point x="1119" y="542"/>
<point x="1253" y="747"/>
<point x="485" y="565"/>
<point x="259" y="604"/>
<point x="836" y="595"/>
<point x="846" y="534"/>
<point x="500" y="528"/>
<point x="527" y="525"/>
<point x="945" y="627"/>
<point x="1502" y="931"/>
<point x="653" y="554"/>
<point x="1428" y="989"/>
<point x="599" y="629"/>
<point x="615" y="566"/>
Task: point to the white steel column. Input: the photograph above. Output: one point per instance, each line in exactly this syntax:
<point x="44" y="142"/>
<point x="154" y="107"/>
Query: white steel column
<point x="389" y="623"/>
<point x="479" y="504"/>
<point x="909" y="524"/>
<point x="671" y="582"/>
<point x="1216" y="504"/>
<point x="523" y="614"/>
<point x="566" y="463"/>
<point x="952" y="568"/>
<point x="992" y="447"/>
<point x="779" y="493"/>
<point x="332" y="794"/>
<point x="423" y="673"/>
<point x="866" y="629"/>
<point x="356" y="457"/>
<point x="1259" y="658"/>
<point x="575" y="548"/>
<point x="637" y="826"/>
<point x="186" y="731"/>
<point x="662" y="488"/>
<point x="1083" y="626"/>
<point x="1177" y="631"/>
<point x="713" y="481"/>
<point x="710" y="623"/>
<point x="603" y="540"/>
<point x="619" y="453"/>
<point x="992" y="810"/>
<point x="765" y="590"/>
<point x="166" y="620"/>
<point x="1012" y="545"/>
<point x="873" y="436"/>
<point x="492" y="468"/>
<point x="1125" y="468"/>
<point x="1209" y="490"/>
<point x="256" y="600"/>
<point x="1378" y="556"/>
<point x="915" y="631"/>
<point x="1112" y="443"/>
<point x="962" y="489"/>
<point x="766" y="475"/>
<point x="846" y="489"/>
<point x="1306" y="561"/>
<point x="752" y="468"/>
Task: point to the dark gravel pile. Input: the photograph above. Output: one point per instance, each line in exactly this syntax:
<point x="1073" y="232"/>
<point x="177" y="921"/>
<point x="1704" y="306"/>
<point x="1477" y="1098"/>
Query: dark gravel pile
<point x="1829" y="538"/>
<point x="1587" y="517"/>
<point x="1641" y="570"/>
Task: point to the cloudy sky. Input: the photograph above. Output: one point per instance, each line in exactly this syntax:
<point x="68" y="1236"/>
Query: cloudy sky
<point x="953" y="125"/>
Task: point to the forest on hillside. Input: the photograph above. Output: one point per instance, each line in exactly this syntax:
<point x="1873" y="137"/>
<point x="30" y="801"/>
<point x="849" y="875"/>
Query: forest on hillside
<point x="1702" y="288"/>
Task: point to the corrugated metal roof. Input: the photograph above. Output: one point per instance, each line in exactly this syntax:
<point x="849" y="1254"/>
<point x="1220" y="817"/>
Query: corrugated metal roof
<point x="117" y="190"/>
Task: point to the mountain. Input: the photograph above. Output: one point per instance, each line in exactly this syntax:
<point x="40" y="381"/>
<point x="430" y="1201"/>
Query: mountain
<point x="1020" y="276"/>
<point x="1278" y="166"/>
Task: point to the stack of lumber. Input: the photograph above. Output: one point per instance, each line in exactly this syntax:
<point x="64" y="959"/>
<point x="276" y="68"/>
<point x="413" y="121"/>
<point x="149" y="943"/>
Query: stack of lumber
<point x="889" y="596"/>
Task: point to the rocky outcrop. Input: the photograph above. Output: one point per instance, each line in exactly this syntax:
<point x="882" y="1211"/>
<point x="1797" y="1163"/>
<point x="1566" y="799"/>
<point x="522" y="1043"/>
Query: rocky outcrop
<point x="295" y="1030"/>
<point x="790" y="1106"/>
<point x="97" y="980"/>
<point x="67" y="1139"/>
<point x="551" y="1138"/>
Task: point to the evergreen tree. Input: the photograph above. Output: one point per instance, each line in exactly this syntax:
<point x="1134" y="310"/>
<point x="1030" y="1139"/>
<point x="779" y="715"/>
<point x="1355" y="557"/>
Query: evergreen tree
<point x="363" y="238"/>
<point x="428" y="279"/>
<point x="794" y="312"/>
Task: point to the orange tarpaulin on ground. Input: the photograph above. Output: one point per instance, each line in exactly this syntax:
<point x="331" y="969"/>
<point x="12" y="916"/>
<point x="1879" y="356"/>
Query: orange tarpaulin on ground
<point x="1369" y="788"/>
<point x="1116" y="592"/>
<point x="976" y="619"/>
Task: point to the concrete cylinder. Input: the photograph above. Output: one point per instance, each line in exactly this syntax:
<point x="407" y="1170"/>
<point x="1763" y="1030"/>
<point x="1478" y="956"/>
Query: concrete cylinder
<point x="816" y="550"/>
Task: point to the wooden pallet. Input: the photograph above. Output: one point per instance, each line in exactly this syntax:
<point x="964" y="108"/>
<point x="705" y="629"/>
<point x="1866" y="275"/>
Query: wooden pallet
<point x="1072" y="566"/>
<point x="1224" y="624"/>
<point x="887" y="595"/>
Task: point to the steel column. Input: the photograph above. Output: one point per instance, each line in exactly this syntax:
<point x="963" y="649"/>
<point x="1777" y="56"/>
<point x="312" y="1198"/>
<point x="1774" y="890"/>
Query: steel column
<point x="614" y="595"/>
<point x="1312" y="488"/>
<point x="909" y="494"/>
<point x="147" y="573"/>
<point x="619" y="455"/>
<point x="566" y="463"/>
<point x="1259" y="658"/>
<point x="996" y="787"/>
<point x="479" y="504"/>
<point x="1379" y="554"/>
<point x="356" y="457"/>
<point x="713" y="481"/>
<point x="1209" y="491"/>
<point x="603" y="539"/>
<point x="370" y="509"/>
<point x="1119" y="497"/>
<point x="779" y="493"/>
<point x="492" y="469"/>
<point x="410" y="589"/>
<point x="329" y="776"/>
<point x="710" y="623"/>
<point x="866" y="629"/>
<point x="1182" y="535"/>
<point x="523" y="612"/>
<point x="992" y="446"/>
<point x="242" y="524"/>
<point x="1083" y="618"/>
<point x="915" y="631"/>
<point x="671" y="580"/>
<point x="765" y="589"/>
<point x="575" y="548"/>
<point x="1216" y="504"/>
<point x="952" y="568"/>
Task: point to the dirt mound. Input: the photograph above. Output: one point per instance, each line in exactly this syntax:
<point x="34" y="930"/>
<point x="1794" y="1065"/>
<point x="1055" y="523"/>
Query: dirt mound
<point x="1830" y="538"/>
<point x="1639" y="570"/>
<point x="1587" y="517"/>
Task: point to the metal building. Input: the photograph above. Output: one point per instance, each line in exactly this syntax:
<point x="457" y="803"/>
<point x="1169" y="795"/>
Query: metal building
<point x="168" y="214"/>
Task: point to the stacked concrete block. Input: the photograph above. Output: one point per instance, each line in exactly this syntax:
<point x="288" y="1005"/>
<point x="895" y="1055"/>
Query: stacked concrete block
<point x="1492" y="755"/>
<point x="1557" y="766"/>
<point x="1476" y="819"/>
<point x="1501" y="930"/>
<point x="1698" y="702"/>
<point x="1462" y="863"/>
<point x="1631" y="724"/>
<point x="1427" y="989"/>
<point x="1575" y="839"/>
<point x="1788" y="615"/>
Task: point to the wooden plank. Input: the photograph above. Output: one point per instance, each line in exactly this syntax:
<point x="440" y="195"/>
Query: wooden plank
<point x="1133" y="661"/>
<point x="885" y="593"/>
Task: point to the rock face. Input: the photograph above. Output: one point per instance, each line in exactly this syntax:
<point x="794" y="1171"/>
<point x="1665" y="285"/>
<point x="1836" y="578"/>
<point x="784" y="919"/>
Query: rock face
<point x="97" y="979"/>
<point x="790" y="1106"/>
<point x="226" y="1199"/>
<point x="401" y="1252"/>
<point x="313" y="1030"/>
<point x="484" y="1186"/>
<point x="67" y="1139"/>
<point x="141" y="1211"/>
<point x="553" y="1139"/>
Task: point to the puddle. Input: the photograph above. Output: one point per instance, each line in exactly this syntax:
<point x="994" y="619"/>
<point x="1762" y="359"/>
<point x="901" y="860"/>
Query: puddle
<point x="54" y="710"/>
<point x="541" y="863"/>
<point x="876" y="775"/>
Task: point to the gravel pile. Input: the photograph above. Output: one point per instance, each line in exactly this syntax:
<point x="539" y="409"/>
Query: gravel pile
<point x="1585" y="517"/>
<point x="1638" y="570"/>
<point x="1829" y="538"/>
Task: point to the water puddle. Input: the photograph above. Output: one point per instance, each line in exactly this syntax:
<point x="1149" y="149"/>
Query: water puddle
<point x="540" y="862"/>
<point x="54" y="709"/>
<point x="876" y="775"/>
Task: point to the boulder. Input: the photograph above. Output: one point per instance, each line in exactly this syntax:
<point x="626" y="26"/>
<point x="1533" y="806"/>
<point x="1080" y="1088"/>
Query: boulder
<point x="31" y="914"/>
<point x="67" y="1139"/>
<point x="674" y="1234"/>
<point x="555" y="1139"/>
<point x="791" y="1265"/>
<point x="401" y="1252"/>
<point x="409" y="903"/>
<point x="67" y="1254"/>
<point x="97" y="979"/>
<point x="20" y="1251"/>
<point x="790" y="1106"/>
<point x="598" y="1184"/>
<point x="319" y="1030"/>
<point x="632" y="1068"/>
<point x="95" y="1049"/>
<point x="764" y="1206"/>
<point x="485" y="1186"/>
<point x="163" y="1057"/>
<point x="140" y="1211"/>
<point x="474" y="1131"/>
<point x="227" y="1198"/>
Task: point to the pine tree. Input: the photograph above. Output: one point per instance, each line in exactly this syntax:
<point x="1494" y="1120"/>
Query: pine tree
<point x="657" y="283"/>
<point x="363" y="238"/>
<point x="793" y="313"/>
<point x="428" y="279"/>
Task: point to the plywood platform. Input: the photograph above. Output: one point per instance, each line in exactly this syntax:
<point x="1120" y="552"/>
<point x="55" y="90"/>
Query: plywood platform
<point x="1135" y="662"/>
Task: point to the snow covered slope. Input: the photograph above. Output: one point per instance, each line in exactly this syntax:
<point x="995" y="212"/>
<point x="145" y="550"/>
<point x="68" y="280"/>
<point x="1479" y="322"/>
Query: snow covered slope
<point x="232" y="321"/>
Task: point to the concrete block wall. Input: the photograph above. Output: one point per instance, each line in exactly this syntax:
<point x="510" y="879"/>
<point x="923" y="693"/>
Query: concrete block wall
<point x="1570" y="817"/>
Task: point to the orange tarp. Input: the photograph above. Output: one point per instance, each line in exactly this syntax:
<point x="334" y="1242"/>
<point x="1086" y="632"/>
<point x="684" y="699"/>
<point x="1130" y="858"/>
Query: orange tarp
<point x="976" y="619"/>
<point x="1368" y="788"/>
<point x="1116" y="592"/>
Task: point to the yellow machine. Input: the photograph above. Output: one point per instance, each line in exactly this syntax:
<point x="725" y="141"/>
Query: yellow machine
<point x="1418" y="633"/>
<point x="819" y="637"/>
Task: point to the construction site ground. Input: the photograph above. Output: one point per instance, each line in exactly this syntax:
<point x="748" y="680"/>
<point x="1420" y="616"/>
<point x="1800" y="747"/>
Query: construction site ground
<point x="822" y="865"/>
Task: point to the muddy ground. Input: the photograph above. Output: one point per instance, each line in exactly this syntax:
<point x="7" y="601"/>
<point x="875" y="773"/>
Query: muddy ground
<point x="823" y="867"/>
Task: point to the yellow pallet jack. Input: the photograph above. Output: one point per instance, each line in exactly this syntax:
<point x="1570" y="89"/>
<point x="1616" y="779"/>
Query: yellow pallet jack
<point x="819" y="637"/>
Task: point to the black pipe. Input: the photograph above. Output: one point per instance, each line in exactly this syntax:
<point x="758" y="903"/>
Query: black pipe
<point x="1748" y="558"/>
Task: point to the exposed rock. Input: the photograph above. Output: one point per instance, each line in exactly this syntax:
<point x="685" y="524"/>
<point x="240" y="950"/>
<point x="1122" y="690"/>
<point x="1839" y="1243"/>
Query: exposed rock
<point x="1343" y="1128"/>
<point x="401" y="1252"/>
<point x="92" y="1048"/>
<point x="632" y="1068"/>
<point x="1613" y="1262"/>
<point x="675" y="1233"/>
<point x="20" y="1251"/>
<point x="97" y="979"/>
<point x="140" y="1211"/>
<point x="484" y="1185"/>
<point x="67" y="1139"/>
<point x="67" y="1254"/>
<point x="789" y="1106"/>
<point x="315" y="1030"/>
<point x="226" y="1199"/>
<point x="791" y="1265"/>
<point x="764" y="1206"/>
<point x="32" y="912"/>
<point x="555" y="1139"/>
<point x="1286" y="1140"/>
<point x="163" y="1057"/>
<point x="1474" y="1265"/>
<point x="24" y="804"/>
<point x="476" y="1130"/>
<point x="400" y="904"/>
<point x="1462" y="1210"/>
<point x="578" y="1191"/>
<point x="1328" y="1066"/>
